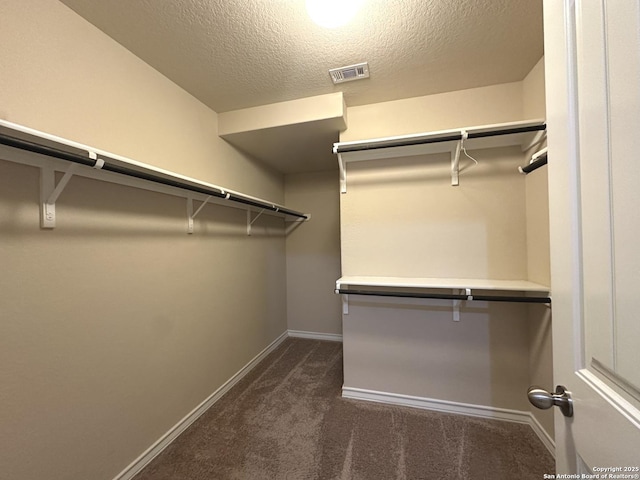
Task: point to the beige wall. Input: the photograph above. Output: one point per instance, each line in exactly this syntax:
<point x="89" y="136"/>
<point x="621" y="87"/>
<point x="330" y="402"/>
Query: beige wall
<point x="533" y="92"/>
<point x="541" y="354"/>
<point x="413" y="347"/>
<point x="63" y="76"/>
<point x="463" y="108"/>
<point x="401" y="217"/>
<point x="117" y="323"/>
<point x="313" y="254"/>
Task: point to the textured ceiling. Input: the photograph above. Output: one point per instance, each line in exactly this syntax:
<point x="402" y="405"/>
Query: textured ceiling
<point x="233" y="54"/>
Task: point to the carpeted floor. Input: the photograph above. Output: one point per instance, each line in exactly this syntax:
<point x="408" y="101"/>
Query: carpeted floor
<point x="287" y="420"/>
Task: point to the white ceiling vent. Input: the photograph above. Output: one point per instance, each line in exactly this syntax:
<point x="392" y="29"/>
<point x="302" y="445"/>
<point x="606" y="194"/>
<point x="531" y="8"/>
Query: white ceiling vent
<point x="352" y="72"/>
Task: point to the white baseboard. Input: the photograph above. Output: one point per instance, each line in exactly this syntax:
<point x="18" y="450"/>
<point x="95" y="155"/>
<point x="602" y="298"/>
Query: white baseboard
<point x="446" y="406"/>
<point x="543" y="435"/>
<point x="437" y="405"/>
<point x="154" y="450"/>
<point x="332" y="337"/>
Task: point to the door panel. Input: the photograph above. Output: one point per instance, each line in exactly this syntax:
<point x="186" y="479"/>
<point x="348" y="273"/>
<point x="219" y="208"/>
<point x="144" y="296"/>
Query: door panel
<point x="623" y="47"/>
<point x="608" y="81"/>
<point x="592" y="57"/>
<point x="595" y="178"/>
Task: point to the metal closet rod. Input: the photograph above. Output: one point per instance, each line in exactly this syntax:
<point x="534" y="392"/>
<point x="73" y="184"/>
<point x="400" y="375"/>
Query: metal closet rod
<point x="536" y="164"/>
<point x="82" y="160"/>
<point x="447" y="138"/>
<point x="447" y="296"/>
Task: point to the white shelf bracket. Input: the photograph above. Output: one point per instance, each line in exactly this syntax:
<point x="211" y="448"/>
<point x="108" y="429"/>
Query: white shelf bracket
<point x="293" y="224"/>
<point x="299" y="220"/>
<point x="455" y="161"/>
<point x="345" y="299"/>
<point x="343" y="174"/>
<point x="50" y="192"/>
<point x="538" y="154"/>
<point x="251" y="221"/>
<point x="457" y="303"/>
<point x="191" y="214"/>
<point x="456" y="310"/>
<point x="537" y="140"/>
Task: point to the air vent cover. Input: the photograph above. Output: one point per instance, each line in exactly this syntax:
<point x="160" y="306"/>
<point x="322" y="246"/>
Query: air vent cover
<point x="350" y="73"/>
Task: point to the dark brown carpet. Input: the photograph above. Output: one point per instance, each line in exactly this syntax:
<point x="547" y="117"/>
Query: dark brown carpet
<point x="287" y="420"/>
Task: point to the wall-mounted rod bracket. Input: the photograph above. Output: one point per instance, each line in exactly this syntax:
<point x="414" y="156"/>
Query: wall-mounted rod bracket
<point x="295" y="223"/>
<point x="457" y="302"/>
<point x="343" y="174"/>
<point x="455" y="161"/>
<point x="50" y="192"/>
<point x="307" y="217"/>
<point x="537" y="139"/>
<point x="345" y="299"/>
<point x="191" y="214"/>
<point x="345" y="304"/>
<point x="538" y="160"/>
<point x="251" y="221"/>
<point x="456" y="310"/>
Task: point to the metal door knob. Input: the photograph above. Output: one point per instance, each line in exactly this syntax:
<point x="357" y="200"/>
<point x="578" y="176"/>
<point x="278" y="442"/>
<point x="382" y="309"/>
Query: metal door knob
<point x="540" y="398"/>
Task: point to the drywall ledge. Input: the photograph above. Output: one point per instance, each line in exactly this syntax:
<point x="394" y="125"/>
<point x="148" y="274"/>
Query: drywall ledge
<point x="291" y="137"/>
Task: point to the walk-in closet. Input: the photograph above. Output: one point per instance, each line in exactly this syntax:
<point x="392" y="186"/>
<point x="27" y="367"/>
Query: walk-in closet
<point x="239" y="240"/>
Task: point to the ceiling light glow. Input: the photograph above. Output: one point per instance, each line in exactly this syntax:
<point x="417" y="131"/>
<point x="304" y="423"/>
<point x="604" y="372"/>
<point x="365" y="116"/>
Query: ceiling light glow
<point x="333" y="13"/>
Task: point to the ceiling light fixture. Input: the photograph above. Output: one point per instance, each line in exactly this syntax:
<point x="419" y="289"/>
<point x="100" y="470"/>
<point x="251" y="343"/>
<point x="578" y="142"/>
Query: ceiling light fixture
<point x="333" y="13"/>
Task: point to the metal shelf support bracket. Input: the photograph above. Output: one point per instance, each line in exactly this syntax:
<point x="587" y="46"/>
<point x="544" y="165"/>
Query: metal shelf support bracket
<point x="251" y="221"/>
<point x="455" y="161"/>
<point x="191" y="214"/>
<point x="343" y="174"/>
<point x="456" y="303"/>
<point x="537" y="139"/>
<point x="345" y="299"/>
<point x="456" y="310"/>
<point x="293" y="224"/>
<point x="50" y="192"/>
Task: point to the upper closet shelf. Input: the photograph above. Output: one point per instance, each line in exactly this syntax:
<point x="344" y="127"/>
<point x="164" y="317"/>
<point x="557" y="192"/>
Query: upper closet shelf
<point x="91" y="162"/>
<point x="526" y="134"/>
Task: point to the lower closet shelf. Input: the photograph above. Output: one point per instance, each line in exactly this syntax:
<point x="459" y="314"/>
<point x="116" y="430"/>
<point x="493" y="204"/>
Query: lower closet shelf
<point x="519" y="291"/>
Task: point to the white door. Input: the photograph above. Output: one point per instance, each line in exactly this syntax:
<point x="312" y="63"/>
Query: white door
<point x="592" y="63"/>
